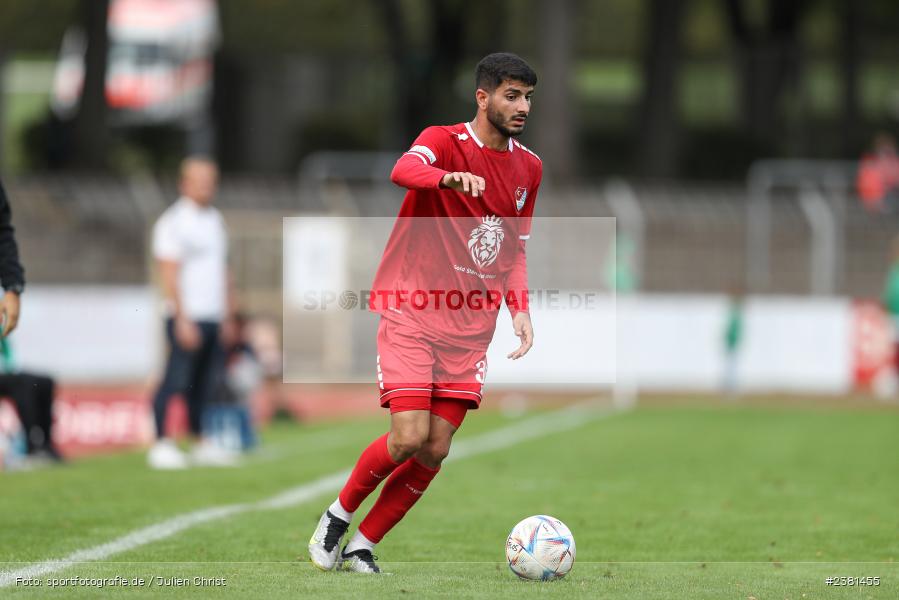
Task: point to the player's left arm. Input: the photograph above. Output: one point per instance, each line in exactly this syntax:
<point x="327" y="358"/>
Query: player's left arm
<point x="517" y="281"/>
<point x="521" y="324"/>
<point x="517" y="302"/>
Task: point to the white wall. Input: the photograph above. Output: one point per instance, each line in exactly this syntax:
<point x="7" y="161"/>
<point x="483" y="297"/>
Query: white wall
<point x="798" y="344"/>
<point x="90" y="334"/>
<point x="674" y="342"/>
<point x="574" y="346"/>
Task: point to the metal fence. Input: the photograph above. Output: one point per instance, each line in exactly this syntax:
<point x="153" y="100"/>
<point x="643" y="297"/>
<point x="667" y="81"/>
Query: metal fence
<point x="789" y="231"/>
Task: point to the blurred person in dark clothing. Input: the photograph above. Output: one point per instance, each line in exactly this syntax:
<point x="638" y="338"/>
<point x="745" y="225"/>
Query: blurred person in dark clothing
<point x="12" y="275"/>
<point x="32" y="395"/>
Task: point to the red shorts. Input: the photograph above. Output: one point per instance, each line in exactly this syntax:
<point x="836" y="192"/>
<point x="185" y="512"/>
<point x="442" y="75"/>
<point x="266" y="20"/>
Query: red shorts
<point x="424" y="375"/>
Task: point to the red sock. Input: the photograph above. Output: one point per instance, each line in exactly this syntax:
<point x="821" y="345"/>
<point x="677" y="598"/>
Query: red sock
<point x="372" y="467"/>
<point x="401" y="491"/>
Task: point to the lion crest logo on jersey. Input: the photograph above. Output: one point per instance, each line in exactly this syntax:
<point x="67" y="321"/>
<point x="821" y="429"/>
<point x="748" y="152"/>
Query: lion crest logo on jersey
<point x="486" y="240"/>
<point x="521" y="196"/>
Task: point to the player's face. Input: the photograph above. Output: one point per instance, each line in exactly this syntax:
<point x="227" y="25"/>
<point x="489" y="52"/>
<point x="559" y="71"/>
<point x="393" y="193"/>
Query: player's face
<point x="508" y="107"/>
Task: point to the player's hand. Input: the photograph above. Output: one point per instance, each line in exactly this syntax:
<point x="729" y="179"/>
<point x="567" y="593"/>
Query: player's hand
<point x="187" y="334"/>
<point x="467" y="183"/>
<point x="9" y="312"/>
<point x="525" y="332"/>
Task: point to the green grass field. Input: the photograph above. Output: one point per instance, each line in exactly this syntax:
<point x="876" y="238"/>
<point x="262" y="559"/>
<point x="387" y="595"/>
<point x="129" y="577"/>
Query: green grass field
<point x="687" y="502"/>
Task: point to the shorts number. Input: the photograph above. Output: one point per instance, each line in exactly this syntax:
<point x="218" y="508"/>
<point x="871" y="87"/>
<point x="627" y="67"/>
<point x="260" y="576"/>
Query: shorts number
<point x="481" y="374"/>
<point x="380" y="374"/>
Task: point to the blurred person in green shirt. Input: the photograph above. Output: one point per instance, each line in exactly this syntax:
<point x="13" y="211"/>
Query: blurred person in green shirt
<point x="733" y="340"/>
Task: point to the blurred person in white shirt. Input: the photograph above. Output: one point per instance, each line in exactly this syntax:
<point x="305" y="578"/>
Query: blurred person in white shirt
<point x="190" y="246"/>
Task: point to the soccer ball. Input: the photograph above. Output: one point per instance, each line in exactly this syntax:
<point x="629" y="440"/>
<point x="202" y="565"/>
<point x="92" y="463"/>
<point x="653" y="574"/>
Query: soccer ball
<point x="540" y="548"/>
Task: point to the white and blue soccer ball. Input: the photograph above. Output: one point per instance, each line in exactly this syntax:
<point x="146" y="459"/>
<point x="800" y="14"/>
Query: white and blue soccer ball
<point x="540" y="548"/>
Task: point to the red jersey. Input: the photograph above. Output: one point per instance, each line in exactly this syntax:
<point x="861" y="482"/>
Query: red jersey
<point x="452" y="259"/>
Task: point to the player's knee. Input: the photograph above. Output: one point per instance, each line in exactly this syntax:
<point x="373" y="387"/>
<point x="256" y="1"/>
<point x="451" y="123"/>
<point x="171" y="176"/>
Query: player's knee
<point x="404" y="443"/>
<point x="433" y="452"/>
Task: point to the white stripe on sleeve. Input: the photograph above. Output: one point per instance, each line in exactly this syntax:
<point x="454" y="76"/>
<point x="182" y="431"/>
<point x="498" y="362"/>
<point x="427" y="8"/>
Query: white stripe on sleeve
<point x="425" y="151"/>
<point x="416" y="154"/>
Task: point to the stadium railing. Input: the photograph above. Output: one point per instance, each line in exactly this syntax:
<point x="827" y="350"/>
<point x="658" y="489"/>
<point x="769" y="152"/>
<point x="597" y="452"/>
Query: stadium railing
<point x="693" y="236"/>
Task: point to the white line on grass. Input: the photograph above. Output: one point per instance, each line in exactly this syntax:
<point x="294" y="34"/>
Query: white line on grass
<point x="534" y="427"/>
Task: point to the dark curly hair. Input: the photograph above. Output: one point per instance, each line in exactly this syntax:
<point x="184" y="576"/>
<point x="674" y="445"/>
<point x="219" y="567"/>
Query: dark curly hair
<point x="498" y="67"/>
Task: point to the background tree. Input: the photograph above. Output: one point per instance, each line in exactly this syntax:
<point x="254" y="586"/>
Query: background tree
<point x="423" y="74"/>
<point x="555" y="102"/>
<point x="30" y="25"/>
<point x="658" y="125"/>
<point x="850" y="20"/>
<point x="768" y="60"/>
<point x="91" y="128"/>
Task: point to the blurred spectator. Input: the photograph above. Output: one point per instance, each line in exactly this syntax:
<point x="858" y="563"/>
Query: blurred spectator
<point x="621" y="274"/>
<point x="228" y="421"/>
<point x="190" y="247"/>
<point x="12" y="275"/>
<point x="733" y="340"/>
<point x="264" y="336"/>
<point x="878" y="175"/>
<point x="33" y="396"/>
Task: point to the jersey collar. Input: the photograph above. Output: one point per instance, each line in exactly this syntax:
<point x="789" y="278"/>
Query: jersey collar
<point x="479" y="142"/>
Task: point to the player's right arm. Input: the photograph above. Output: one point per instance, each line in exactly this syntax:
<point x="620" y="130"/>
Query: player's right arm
<point x="466" y="183"/>
<point x="167" y="251"/>
<point x="421" y="167"/>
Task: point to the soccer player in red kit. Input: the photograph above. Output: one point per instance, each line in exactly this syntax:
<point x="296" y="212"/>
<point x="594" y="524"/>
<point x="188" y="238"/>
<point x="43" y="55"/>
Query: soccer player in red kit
<point x="456" y="253"/>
